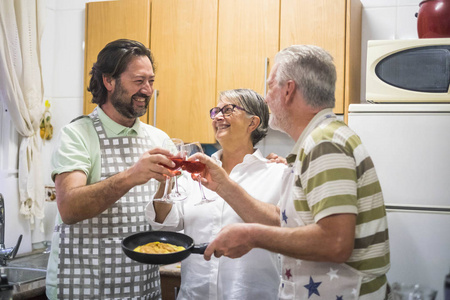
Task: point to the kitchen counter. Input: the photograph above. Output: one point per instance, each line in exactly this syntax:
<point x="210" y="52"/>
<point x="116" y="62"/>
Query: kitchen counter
<point x="34" y="289"/>
<point x="170" y="277"/>
<point x="170" y="281"/>
<point x="170" y="270"/>
<point x="36" y="260"/>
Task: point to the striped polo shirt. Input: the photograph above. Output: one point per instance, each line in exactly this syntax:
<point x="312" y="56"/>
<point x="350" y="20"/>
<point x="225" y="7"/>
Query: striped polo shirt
<point x="335" y="174"/>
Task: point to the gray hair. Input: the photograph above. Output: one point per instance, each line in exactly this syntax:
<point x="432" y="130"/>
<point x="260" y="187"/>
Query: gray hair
<point x="254" y="104"/>
<point x="313" y="71"/>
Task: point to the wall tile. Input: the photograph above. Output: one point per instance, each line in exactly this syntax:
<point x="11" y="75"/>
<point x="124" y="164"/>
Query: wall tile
<point x="378" y="23"/>
<point x="409" y="2"/>
<point x="406" y="24"/>
<point x="69" y="54"/>
<point x="276" y="142"/>
<point x="71" y="4"/>
<point x="63" y="111"/>
<point x="51" y="4"/>
<point x="378" y="3"/>
<point x="48" y="51"/>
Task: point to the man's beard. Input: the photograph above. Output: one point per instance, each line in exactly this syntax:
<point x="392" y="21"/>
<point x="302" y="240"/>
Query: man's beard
<point x="126" y="109"/>
<point x="273" y="123"/>
<point x="277" y="123"/>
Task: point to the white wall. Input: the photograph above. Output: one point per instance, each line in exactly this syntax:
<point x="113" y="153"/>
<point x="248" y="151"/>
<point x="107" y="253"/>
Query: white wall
<point x="63" y="59"/>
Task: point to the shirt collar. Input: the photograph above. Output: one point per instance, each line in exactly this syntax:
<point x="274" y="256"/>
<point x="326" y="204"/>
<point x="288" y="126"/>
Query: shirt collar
<point x="116" y="128"/>
<point x="256" y="155"/>
<point x="216" y="156"/>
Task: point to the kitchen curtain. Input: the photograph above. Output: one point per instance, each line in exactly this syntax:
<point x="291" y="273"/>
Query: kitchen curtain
<point x="21" y="89"/>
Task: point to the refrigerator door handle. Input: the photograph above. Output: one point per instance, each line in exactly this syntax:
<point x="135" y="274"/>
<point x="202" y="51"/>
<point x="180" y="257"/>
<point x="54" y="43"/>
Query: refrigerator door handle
<point x="419" y="209"/>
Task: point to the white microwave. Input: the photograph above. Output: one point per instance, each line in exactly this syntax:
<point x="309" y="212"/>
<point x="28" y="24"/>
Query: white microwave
<point x="408" y="71"/>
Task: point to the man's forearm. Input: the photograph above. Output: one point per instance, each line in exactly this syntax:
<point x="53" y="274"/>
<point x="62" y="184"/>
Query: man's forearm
<point x="248" y="208"/>
<point x="77" y="202"/>
<point x="332" y="239"/>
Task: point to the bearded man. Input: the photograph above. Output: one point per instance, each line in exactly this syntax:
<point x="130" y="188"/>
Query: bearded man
<point x="102" y="167"/>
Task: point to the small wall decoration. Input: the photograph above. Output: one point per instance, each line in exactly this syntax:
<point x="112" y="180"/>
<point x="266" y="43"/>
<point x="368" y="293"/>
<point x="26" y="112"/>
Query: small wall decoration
<point x="46" y="128"/>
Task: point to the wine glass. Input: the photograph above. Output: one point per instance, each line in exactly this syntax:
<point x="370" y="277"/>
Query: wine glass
<point x="178" y="193"/>
<point x="175" y="148"/>
<point x="195" y="167"/>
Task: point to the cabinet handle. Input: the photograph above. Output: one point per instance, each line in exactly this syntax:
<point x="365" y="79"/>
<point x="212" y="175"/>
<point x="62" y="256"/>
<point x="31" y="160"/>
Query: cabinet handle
<point x="154" y="108"/>
<point x="266" y="65"/>
<point x="175" y="292"/>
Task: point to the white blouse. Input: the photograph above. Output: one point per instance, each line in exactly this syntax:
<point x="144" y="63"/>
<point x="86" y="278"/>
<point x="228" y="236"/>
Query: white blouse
<point x="253" y="276"/>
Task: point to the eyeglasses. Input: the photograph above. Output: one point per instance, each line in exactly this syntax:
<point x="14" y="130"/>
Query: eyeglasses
<point x="226" y="110"/>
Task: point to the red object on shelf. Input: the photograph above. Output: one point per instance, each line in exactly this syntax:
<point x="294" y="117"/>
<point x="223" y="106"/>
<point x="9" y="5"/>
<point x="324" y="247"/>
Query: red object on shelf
<point x="433" y="19"/>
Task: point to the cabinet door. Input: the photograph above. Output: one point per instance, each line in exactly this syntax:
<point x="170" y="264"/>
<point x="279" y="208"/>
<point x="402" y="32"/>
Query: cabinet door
<point x="108" y="21"/>
<point x="247" y="39"/>
<point x="184" y="43"/>
<point x="320" y="23"/>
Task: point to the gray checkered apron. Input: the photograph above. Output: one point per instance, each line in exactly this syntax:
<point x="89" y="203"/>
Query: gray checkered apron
<point x="92" y="264"/>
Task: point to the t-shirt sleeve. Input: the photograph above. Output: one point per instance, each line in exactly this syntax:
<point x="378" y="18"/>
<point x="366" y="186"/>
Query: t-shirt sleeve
<point x="71" y="152"/>
<point x="330" y="183"/>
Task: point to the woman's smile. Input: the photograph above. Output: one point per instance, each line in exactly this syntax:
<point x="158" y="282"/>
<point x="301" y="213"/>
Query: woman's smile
<point x="222" y="126"/>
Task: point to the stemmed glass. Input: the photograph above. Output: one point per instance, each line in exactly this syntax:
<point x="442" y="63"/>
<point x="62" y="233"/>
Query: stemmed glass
<point x="175" y="146"/>
<point x="195" y="167"/>
<point x="178" y="193"/>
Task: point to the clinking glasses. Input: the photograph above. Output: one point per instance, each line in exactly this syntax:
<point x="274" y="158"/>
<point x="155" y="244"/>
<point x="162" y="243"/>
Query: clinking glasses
<point x="226" y="110"/>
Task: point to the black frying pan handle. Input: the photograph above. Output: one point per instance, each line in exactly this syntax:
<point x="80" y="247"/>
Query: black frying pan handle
<point x="199" y="249"/>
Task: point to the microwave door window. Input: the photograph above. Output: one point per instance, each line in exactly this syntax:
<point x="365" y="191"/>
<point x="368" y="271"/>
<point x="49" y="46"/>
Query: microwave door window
<point x="425" y="69"/>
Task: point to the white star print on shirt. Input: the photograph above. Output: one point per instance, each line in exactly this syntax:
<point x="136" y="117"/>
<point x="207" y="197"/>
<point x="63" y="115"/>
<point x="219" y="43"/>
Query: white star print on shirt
<point x="332" y="274"/>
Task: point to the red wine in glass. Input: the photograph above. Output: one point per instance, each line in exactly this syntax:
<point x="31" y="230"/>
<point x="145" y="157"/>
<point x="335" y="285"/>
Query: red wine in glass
<point x="175" y="147"/>
<point x="194" y="167"/>
<point x="178" y="164"/>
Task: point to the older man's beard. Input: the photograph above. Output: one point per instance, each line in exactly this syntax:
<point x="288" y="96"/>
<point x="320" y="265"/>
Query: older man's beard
<point x="275" y="123"/>
<point x="126" y="109"/>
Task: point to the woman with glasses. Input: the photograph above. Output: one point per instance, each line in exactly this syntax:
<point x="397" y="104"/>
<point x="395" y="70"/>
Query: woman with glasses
<point x="240" y="121"/>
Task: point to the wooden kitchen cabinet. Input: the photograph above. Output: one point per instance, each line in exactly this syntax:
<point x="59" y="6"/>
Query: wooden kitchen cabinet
<point x="247" y="43"/>
<point x="202" y="47"/>
<point x="170" y="280"/>
<point x="110" y="20"/>
<point x="252" y="30"/>
<point x="170" y="286"/>
<point x="184" y="42"/>
<point x="335" y="26"/>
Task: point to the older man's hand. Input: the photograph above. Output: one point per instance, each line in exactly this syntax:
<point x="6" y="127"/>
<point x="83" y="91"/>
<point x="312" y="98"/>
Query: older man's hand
<point x="233" y="241"/>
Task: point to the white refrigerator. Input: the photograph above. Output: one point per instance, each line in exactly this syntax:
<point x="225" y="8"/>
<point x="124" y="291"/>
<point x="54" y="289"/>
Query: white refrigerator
<point x="410" y="147"/>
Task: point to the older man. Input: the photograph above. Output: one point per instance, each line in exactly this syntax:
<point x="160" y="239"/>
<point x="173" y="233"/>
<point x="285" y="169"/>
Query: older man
<point x="333" y="236"/>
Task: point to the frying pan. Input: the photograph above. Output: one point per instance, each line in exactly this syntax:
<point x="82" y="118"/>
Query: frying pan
<point x="138" y="239"/>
